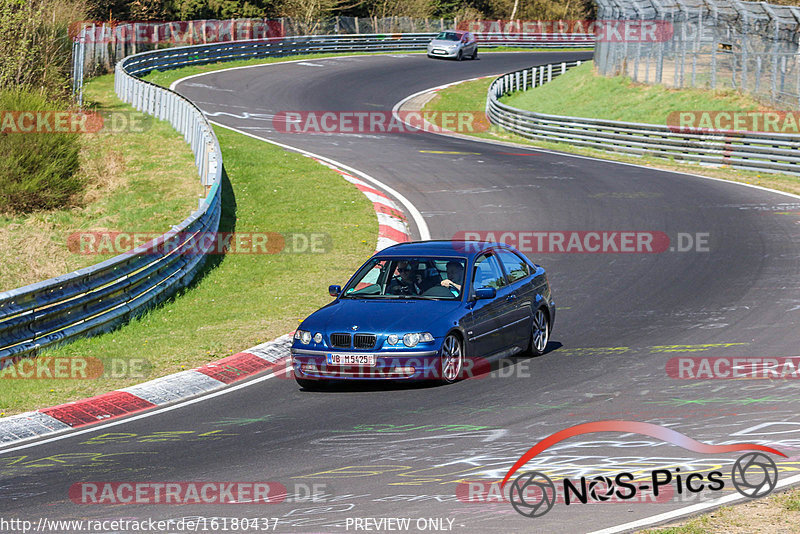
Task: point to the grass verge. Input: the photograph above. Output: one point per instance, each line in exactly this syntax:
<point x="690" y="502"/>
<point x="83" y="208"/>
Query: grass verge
<point x="576" y="93"/>
<point x="777" y="513"/>
<point x="240" y="299"/>
<point x="619" y="98"/>
<point x="139" y="181"/>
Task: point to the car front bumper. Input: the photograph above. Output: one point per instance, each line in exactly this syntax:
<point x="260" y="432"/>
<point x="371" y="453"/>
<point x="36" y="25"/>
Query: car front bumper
<point x="442" y="52"/>
<point x="309" y="364"/>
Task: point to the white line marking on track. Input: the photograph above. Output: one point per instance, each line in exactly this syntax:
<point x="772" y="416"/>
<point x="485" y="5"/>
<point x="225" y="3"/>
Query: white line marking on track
<point x="422" y="226"/>
<point x="144" y="415"/>
<point x="680" y="512"/>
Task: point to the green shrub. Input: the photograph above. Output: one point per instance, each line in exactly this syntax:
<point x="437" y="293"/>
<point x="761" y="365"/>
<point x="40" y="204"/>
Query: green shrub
<point x="38" y="170"/>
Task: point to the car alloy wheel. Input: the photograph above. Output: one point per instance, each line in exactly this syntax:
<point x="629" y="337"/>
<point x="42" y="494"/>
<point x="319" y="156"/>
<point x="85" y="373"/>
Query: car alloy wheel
<point x="475" y="54"/>
<point x="540" y="333"/>
<point x="452" y="358"/>
<point x="460" y="55"/>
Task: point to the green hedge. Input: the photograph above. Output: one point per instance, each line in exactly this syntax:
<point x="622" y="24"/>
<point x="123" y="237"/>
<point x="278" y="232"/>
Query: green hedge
<point x="39" y="170"/>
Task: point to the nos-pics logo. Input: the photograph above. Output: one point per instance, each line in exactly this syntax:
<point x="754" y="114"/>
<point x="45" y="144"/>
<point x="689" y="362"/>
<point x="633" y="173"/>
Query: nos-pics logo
<point x="533" y="494"/>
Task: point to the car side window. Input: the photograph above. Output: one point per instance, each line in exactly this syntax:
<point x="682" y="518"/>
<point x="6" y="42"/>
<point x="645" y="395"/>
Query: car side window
<point x="516" y="268"/>
<point x="487" y="273"/>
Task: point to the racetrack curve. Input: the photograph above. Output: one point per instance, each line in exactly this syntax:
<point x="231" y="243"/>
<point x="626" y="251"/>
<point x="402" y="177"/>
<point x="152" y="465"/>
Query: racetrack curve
<point x="400" y="451"/>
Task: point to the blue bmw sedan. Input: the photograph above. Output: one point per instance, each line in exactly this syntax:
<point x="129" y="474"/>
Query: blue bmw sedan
<point x="426" y="310"/>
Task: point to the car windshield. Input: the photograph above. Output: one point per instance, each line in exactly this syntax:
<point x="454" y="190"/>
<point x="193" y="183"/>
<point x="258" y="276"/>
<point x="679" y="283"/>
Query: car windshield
<point x="408" y="278"/>
<point x="448" y="36"/>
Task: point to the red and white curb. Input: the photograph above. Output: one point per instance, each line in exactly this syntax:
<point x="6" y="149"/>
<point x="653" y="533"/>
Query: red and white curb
<point x="392" y="229"/>
<point x="392" y="226"/>
<point x="157" y="392"/>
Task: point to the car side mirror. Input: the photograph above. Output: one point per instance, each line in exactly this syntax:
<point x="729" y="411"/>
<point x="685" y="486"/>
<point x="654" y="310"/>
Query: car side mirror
<point x="334" y="291"/>
<point x="485" y="293"/>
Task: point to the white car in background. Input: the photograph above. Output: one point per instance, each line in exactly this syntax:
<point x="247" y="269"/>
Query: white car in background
<point x="453" y="44"/>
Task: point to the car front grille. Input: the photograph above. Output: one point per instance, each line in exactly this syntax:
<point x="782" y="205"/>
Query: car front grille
<point x="341" y="341"/>
<point x="364" y="341"/>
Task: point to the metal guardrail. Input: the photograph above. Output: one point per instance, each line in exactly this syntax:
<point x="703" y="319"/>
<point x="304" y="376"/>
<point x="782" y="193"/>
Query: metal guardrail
<point x="168" y="58"/>
<point x="763" y="152"/>
<point x="97" y="298"/>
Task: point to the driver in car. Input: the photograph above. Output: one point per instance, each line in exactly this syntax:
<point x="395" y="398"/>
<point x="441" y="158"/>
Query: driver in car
<point x="407" y="281"/>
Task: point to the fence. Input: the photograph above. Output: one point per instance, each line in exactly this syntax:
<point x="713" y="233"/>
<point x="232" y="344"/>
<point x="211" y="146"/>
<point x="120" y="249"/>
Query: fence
<point x="720" y="44"/>
<point x="771" y="153"/>
<point x="100" y="46"/>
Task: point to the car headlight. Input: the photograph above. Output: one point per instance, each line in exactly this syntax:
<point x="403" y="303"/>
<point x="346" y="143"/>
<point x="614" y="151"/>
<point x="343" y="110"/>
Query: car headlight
<point x="303" y="335"/>
<point x="318" y="338"/>
<point x="414" y="338"/>
<point x="393" y="339"/>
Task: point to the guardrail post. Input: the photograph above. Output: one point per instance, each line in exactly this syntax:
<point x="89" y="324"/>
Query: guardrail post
<point x="550" y="72"/>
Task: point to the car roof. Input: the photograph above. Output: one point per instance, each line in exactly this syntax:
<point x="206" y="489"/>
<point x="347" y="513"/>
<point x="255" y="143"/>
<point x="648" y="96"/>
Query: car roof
<point x="440" y="247"/>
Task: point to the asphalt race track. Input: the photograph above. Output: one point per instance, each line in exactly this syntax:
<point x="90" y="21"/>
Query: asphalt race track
<point x="401" y="451"/>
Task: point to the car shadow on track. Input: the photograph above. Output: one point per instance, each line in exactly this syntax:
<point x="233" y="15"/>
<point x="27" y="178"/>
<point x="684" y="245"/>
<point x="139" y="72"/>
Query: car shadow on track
<point x="480" y="369"/>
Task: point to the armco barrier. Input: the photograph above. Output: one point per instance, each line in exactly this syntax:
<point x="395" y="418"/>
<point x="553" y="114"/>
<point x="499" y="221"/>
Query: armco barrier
<point x="168" y="58"/>
<point x="763" y="152"/>
<point x="97" y="298"/>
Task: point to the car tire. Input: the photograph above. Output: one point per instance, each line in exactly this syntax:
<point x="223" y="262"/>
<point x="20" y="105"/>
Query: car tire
<point x="540" y="332"/>
<point x="310" y="385"/>
<point x="460" y="55"/>
<point x="475" y="53"/>
<point x="451" y="359"/>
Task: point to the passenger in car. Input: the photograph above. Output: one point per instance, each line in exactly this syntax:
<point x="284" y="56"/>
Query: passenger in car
<point x="455" y="277"/>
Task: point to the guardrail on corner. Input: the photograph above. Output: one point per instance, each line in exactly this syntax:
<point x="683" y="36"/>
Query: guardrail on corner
<point x="97" y="298"/>
<point x="169" y="58"/>
<point x="762" y="152"/>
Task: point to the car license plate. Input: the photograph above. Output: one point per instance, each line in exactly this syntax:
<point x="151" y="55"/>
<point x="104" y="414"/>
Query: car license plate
<point x="368" y="360"/>
<point x="437" y="51"/>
